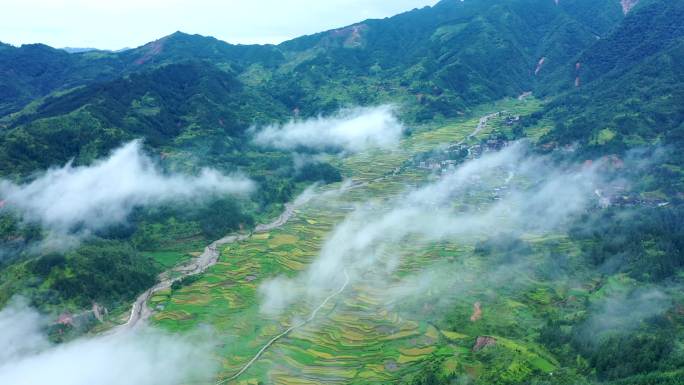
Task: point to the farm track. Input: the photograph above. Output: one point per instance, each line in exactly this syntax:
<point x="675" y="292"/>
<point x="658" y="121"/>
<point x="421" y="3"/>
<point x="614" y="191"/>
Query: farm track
<point x="480" y="126"/>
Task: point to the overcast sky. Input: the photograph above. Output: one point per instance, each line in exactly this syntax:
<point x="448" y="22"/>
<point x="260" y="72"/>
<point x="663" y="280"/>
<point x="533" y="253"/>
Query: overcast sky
<point x="115" y="24"/>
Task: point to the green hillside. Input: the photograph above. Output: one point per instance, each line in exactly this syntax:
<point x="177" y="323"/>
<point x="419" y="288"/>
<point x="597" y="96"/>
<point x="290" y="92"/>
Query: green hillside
<point x="173" y="105"/>
<point x="630" y="93"/>
<point x="585" y="85"/>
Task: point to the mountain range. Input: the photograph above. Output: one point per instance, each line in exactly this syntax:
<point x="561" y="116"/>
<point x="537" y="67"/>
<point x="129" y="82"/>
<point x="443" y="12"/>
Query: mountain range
<point x="437" y="62"/>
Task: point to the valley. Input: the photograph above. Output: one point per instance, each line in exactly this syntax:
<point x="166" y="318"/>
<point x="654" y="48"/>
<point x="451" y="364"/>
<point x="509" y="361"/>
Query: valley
<point x="480" y="192"/>
<point x="324" y="348"/>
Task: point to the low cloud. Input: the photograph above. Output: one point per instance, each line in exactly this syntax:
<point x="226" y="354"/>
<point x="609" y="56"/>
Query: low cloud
<point x="71" y="200"/>
<point x="20" y="331"/>
<point x="350" y="130"/>
<point x="278" y="294"/>
<point x="625" y="310"/>
<point x="523" y="194"/>
<point x="144" y="357"/>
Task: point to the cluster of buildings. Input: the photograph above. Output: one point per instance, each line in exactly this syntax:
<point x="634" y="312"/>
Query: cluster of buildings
<point x="457" y="153"/>
<point x="511" y="120"/>
<point x="620" y="197"/>
<point x="437" y="165"/>
<point x="617" y="193"/>
<point x="81" y="321"/>
<point x="476" y="150"/>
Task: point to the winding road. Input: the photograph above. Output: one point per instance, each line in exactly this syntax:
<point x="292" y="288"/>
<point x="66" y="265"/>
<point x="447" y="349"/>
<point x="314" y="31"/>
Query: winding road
<point x="141" y="312"/>
<point x="480" y="126"/>
<point x="312" y="316"/>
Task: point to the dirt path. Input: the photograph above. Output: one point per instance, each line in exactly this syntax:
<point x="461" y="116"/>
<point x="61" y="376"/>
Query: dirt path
<point x="480" y="126"/>
<point x="141" y="312"/>
<point x="477" y="312"/>
<point x="288" y="331"/>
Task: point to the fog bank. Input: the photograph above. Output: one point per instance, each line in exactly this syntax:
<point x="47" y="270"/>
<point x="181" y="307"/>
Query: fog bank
<point x="81" y="199"/>
<point x="533" y="196"/>
<point x="145" y="357"/>
<point x="350" y="130"/>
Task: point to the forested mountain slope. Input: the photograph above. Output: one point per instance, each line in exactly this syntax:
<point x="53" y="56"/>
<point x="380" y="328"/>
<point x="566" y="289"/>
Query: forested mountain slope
<point x="36" y="70"/>
<point x="628" y="90"/>
<point x="189" y="99"/>
<point x="446" y="58"/>
<point x="437" y="62"/>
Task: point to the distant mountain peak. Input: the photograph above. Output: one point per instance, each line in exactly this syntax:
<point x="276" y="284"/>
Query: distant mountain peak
<point x="150" y="50"/>
<point x="183" y="36"/>
<point x="179" y="34"/>
<point x="349" y="37"/>
<point x="78" y="50"/>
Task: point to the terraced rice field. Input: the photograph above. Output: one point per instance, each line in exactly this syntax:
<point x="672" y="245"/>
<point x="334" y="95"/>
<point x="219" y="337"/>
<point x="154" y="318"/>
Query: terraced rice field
<point x="360" y="337"/>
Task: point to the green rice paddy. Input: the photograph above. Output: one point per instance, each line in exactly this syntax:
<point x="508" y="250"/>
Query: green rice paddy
<point x="359" y="338"/>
